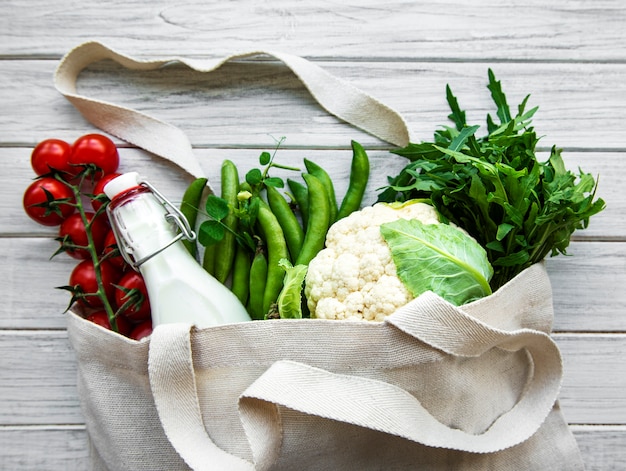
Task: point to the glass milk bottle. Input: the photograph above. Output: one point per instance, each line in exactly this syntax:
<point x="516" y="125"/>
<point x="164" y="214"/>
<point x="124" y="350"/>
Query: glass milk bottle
<point x="149" y="232"/>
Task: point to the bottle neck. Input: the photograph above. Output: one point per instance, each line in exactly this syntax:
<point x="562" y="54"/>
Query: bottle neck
<point x="141" y="224"/>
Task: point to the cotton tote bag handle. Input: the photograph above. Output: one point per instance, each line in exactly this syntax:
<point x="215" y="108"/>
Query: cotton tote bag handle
<point x="389" y="409"/>
<point x="335" y="95"/>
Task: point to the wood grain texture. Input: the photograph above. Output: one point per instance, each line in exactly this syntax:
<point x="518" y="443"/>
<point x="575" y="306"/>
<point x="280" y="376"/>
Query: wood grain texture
<point x="587" y="286"/>
<point x="594" y="367"/>
<point x="397" y="30"/>
<point x="611" y="167"/>
<point x="67" y="447"/>
<point x="37" y="379"/>
<point x="59" y="447"/>
<point x="601" y="447"/>
<point x="581" y="106"/>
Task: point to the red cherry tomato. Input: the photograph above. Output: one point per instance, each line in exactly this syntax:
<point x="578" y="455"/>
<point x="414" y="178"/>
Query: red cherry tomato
<point x="141" y="330"/>
<point x="110" y="245"/>
<point x="72" y="230"/>
<point x="102" y="319"/>
<point x="83" y="279"/>
<point x="131" y="290"/>
<point x="98" y="190"/>
<point x="98" y="150"/>
<point x="48" y="201"/>
<point x="51" y="154"/>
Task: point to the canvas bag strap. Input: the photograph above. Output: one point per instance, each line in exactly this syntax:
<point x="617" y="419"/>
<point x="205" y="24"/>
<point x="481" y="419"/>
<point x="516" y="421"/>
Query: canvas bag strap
<point x="389" y="409"/>
<point x="335" y="95"/>
<point x="173" y="383"/>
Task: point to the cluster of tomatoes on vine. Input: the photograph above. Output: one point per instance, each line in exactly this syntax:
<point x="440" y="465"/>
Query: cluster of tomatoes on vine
<point x="69" y="193"/>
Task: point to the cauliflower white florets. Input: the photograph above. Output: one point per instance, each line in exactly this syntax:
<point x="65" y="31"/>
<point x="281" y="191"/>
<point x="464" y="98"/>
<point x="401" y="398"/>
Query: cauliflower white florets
<point x="354" y="277"/>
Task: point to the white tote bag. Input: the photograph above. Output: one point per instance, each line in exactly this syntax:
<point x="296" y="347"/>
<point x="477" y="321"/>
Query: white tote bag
<point x="433" y="387"/>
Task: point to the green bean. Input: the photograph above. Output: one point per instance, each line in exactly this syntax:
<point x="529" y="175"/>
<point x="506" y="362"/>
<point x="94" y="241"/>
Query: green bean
<point x="189" y="207"/>
<point x="241" y="274"/>
<point x="301" y="195"/>
<point x="294" y="234"/>
<point x="258" y="280"/>
<point x="359" y="176"/>
<point x="225" y="250"/>
<point x="276" y="249"/>
<point x="319" y="172"/>
<point x="319" y="220"/>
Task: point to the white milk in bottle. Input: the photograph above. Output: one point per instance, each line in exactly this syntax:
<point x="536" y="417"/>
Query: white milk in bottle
<point x="146" y="227"/>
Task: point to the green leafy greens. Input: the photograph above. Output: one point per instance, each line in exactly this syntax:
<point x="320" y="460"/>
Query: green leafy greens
<point x="439" y="258"/>
<point x="518" y="208"/>
<point x="289" y="303"/>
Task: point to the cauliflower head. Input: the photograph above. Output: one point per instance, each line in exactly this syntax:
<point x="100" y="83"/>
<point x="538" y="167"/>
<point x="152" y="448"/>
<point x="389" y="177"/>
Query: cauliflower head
<point x="354" y="277"/>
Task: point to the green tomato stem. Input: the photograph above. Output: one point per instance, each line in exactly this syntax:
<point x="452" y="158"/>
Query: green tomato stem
<point x="91" y="248"/>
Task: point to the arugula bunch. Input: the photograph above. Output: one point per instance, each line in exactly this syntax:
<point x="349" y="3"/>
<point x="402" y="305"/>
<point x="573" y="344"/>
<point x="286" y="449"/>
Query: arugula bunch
<point x="518" y="208"/>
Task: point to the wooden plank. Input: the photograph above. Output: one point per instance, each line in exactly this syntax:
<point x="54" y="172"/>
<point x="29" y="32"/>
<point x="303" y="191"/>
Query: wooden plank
<point x="38" y="379"/>
<point x="581" y="105"/>
<point x="38" y="448"/>
<point x="587" y="286"/>
<point x="38" y="382"/>
<point x="601" y="447"/>
<point x="62" y="447"/>
<point x="486" y="31"/>
<point x="28" y="282"/>
<point x="594" y="378"/>
<point x="610" y="167"/>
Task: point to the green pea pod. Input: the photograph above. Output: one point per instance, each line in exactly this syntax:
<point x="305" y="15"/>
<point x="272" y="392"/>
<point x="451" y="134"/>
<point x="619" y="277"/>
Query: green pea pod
<point x="258" y="280"/>
<point x="225" y="250"/>
<point x="319" y="220"/>
<point x="276" y="250"/>
<point x="208" y="259"/>
<point x="189" y="207"/>
<point x="294" y="234"/>
<point x="241" y="274"/>
<point x="245" y="186"/>
<point x="319" y="172"/>
<point x="359" y="176"/>
<point x="301" y="195"/>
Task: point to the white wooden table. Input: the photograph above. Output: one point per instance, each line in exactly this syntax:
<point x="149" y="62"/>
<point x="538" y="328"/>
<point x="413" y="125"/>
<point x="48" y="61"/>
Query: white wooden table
<point x="569" y="55"/>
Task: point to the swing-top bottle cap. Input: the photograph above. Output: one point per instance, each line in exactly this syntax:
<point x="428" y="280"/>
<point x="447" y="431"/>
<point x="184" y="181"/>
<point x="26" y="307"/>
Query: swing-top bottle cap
<point x="120" y="184"/>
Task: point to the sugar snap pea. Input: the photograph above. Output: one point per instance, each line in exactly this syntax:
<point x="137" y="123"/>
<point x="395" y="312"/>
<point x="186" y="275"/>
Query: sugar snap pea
<point x="319" y="220"/>
<point x="189" y="207"/>
<point x="225" y="250"/>
<point x="257" y="282"/>
<point x="241" y="274"/>
<point x="301" y="195"/>
<point x="293" y="231"/>
<point x="319" y="172"/>
<point x="276" y="250"/>
<point x="359" y="176"/>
